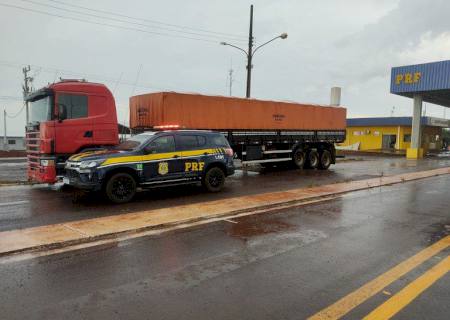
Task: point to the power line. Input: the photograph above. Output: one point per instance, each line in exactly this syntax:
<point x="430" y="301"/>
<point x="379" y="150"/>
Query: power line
<point x="130" y="22"/>
<point x="104" y="78"/>
<point x="17" y="114"/>
<point x="105" y="24"/>
<point x="12" y="98"/>
<point x="149" y="20"/>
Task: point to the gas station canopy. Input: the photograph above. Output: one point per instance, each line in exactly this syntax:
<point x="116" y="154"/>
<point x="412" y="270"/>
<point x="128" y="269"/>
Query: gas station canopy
<point x="429" y="80"/>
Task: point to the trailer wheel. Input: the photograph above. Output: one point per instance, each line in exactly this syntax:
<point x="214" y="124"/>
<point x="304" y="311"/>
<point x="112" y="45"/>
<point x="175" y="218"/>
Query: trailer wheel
<point x="214" y="179"/>
<point x="313" y="159"/>
<point x="325" y="160"/>
<point x="299" y="158"/>
<point x="120" y="188"/>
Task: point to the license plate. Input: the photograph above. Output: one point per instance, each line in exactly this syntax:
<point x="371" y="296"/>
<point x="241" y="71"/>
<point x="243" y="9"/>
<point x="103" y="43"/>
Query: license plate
<point x="66" y="180"/>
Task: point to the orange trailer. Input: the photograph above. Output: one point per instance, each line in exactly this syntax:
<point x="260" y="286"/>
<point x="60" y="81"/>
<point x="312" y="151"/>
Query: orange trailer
<point x="196" y="111"/>
<point x="263" y="132"/>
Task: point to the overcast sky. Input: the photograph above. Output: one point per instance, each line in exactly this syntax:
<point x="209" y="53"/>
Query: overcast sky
<point x="348" y="43"/>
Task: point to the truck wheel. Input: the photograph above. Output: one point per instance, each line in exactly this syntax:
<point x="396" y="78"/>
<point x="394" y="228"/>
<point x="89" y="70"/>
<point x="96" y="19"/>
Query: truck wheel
<point x="299" y="158"/>
<point x="313" y="159"/>
<point x="325" y="160"/>
<point x="214" y="179"/>
<point x="120" y="188"/>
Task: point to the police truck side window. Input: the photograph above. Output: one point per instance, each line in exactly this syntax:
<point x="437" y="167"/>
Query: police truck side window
<point x="190" y="142"/>
<point x="220" y="141"/>
<point x="162" y="145"/>
<point x="201" y="141"/>
<point x="76" y="105"/>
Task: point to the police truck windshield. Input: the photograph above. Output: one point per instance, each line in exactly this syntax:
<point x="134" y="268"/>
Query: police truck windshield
<point x="40" y="109"/>
<point x="134" y="142"/>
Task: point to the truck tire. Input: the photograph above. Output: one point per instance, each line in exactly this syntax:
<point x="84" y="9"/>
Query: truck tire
<point x="299" y="158"/>
<point x="313" y="159"/>
<point x="325" y="160"/>
<point x="214" y="179"/>
<point x="120" y="188"/>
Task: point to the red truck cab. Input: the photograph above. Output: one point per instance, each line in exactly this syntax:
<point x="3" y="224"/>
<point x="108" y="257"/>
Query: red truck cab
<point x="66" y="118"/>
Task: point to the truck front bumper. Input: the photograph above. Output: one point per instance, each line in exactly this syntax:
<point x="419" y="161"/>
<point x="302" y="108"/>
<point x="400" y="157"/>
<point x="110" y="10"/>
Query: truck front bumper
<point x="41" y="174"/>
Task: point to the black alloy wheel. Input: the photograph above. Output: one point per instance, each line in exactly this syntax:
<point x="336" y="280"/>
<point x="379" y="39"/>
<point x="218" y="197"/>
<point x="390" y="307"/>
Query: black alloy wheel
<point x="121" y="188"/>
<point x="214" y="179"/>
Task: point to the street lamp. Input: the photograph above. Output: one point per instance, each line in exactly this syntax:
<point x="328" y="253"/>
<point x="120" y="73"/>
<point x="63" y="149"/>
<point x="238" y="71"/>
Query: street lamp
<point x="250" y="52"/>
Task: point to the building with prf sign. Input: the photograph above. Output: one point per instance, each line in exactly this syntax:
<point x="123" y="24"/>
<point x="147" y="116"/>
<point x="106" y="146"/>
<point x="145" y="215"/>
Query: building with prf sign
<point x="393" y="133"/>
<point x="428" y="82"/>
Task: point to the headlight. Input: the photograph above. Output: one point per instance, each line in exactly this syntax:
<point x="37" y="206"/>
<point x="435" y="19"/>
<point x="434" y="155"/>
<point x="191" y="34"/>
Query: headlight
<point x="90" y="164"/>
<point x="47" y="162"/>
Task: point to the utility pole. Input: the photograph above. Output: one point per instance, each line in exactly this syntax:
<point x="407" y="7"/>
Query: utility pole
<point x="230" y="74"/>
<point x="250" y="54"/>
<point x="5" y="140"/>
<point x="26" y="87"/>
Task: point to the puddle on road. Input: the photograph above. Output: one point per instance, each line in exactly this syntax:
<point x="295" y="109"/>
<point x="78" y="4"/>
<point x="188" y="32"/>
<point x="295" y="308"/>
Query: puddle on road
<point x="438" y="231"/>
<point x="247" y="228"/>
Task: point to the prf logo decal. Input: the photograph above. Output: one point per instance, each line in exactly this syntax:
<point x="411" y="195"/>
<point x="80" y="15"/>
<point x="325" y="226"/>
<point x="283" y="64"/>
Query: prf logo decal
<point x="163" y="168"/>
<point x="408" y="78"/>
<point x="194" y="166"/>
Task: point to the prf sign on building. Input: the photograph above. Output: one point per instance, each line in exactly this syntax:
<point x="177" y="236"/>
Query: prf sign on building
<point x="428" y="82"/>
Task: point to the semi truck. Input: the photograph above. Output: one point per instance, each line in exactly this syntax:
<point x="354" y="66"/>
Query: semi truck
<point x="73" y="116"/>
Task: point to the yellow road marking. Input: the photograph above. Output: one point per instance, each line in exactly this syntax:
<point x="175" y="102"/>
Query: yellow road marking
<point x="352" y="300"/>
<point x="410" y="292"/>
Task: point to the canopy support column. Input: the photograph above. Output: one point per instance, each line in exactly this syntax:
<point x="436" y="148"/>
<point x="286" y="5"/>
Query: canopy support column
<point x="416" y="151"/>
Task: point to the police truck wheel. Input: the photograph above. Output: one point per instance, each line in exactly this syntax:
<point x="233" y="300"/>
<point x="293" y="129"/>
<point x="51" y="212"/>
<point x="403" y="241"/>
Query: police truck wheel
<point x="299" y="158"/>
<point x="120" y="188"/>
<point x="325" y="160"/>
<point x="214" y="179"/>
<point x="313" y="159"/>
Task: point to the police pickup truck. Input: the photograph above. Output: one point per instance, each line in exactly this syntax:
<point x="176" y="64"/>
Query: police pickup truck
<point x="158" y="158"/>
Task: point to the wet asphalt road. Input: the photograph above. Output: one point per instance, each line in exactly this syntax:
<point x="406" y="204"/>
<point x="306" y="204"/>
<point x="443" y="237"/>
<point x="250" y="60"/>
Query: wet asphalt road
<point x="13" y="170"/>
<point x="285" y="265"/>
<point x="28" y="206"/>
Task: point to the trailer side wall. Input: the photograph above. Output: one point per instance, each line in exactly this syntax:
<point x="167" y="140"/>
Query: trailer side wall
<point x="195" y="111"/>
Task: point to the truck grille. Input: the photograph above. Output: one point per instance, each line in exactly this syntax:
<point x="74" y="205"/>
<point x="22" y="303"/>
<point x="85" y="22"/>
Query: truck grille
<point x="32" y="141"/>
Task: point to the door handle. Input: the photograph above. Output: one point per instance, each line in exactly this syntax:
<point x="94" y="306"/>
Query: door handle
<point x="88" y="134"/>
<point x="175" y="156"/>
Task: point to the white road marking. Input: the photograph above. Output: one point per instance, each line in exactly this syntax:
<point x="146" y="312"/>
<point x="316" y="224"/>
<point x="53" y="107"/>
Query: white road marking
<point x="230" y="221"/>
<point x="14" y="203"/>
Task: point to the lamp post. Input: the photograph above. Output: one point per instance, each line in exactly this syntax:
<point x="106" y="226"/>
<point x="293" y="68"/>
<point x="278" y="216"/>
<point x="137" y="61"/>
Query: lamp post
<point x="250" y="52"/>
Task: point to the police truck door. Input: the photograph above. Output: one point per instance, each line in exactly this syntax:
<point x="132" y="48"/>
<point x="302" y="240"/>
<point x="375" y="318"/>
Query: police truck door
<point x="193" y="153"/>
<point x="161" y="161"/>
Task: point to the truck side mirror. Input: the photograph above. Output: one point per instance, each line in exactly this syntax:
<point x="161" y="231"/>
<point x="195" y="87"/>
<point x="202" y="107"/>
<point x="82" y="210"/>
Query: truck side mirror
<point x="62" y="112"/>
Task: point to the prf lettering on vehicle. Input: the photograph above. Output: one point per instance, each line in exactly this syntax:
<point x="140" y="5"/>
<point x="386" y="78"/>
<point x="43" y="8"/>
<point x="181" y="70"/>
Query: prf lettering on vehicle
<point x="408" y="78"/>
<point x="194" y="166"/>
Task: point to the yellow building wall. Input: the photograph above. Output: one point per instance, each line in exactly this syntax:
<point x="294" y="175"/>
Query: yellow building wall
<point x="371" y="138"/>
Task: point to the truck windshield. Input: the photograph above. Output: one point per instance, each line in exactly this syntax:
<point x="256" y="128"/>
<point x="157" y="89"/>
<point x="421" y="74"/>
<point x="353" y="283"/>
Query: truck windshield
<point x="134" y="142"/>
<point x="40" y="109"/>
